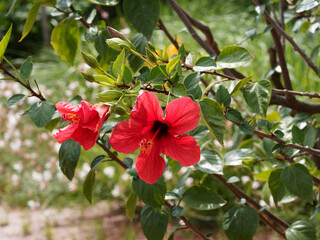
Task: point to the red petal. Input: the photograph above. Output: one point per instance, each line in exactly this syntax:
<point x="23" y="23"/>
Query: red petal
<point x="64" y="108"/>
<point x="182" y="115"/>
<point x="147" y="109"/>
<point x="102" y="111"/>
<point x="150" y="164"/>
<point x="65" y="133"/>
<point x="126" y="136"/>
<point x="89" y="112"/>
<point x="183" y="149"/>
<point x="85" y="137"/>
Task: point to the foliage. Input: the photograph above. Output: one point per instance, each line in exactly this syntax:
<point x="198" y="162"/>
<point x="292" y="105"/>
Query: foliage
<point x="258" y="133"/>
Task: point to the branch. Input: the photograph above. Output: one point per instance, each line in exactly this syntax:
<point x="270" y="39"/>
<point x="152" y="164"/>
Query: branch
<point x="275" y="77"/>
<point x="87" y="25"/>
<point x="290" y="40"/>
<point x="305" y="94"/>
<point x="166" y="204"/>
<point x="166" y="32"/>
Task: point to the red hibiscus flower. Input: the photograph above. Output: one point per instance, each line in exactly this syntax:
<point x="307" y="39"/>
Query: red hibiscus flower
<point x="86" y="121"/>
<point x="148" y="130"/>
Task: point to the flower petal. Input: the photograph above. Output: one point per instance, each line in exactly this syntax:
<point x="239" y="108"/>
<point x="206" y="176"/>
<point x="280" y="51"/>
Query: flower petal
<point x="183" y="149"/>
<point x="182" y="115"/>
<point x="89" y="112"/>
<point x="85" y="137"/>
<point x="126" y="136"/>
<point x="147" y="109"/>
<point x="150" y="164"/>
<point x="65" y="133"/>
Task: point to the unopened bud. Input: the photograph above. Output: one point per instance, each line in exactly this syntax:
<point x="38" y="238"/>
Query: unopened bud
<point x="118" y="44"/>
<point x="88" y="76"/>
<point x="110" y="95"/>
<point x="151" y="56"/>
<point x="90" y="60"/>
<point x="120" y="110"/>
<point x="151" y="46"/>
<point x="116" y="34"/>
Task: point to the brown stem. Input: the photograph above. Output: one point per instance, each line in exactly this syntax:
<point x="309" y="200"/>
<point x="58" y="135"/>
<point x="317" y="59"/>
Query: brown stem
<point x="295" y="46"/>
<point x="111" y="155"/>
<point x="166" y="32"/>
<point x="27" y="86"/>
<point x="275" y="77"/>
<point x="285" y="92"/>
<point x="240" y="194"/>
<point x="81" y="19"/>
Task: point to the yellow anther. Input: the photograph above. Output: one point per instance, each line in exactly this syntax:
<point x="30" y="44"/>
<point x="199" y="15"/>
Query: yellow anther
<point x="145" y="144"/>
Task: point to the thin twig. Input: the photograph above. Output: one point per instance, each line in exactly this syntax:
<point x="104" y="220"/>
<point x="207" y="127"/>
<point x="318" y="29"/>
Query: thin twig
<point x="166" y="32"/>
<point x="305" y="94"/>
<point x="87" y="25"/>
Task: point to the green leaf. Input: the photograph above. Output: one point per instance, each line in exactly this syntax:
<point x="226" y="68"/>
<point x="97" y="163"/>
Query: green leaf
<point x="41" y="113"/>
<point x="4" y="42"/>
<point x="276" y="186"/>
<point x="246" y="128"/>
<point x="233" y="56"/>
<point x="201" y="198"/>
<point x="119" y="64"/>
<point x="223" y="96"/>
<point x="301" y="230"/>
<point x="177" y="211"/>
<point x="171" y="66"/>
<point x="205" y="64"/>
<point x="15" y="99"/>
<point x="179" y="90"/>
<point x="30" y="20"/>
<point x="151" y="194"/>
<point x="191" y="82"/>
<point x="108" y="3"/>
<point x="131" y="205"/>
<point x="171" y="234"/>
<point x="235" y="157"/>
<point x="240" y="223"/>
<point x="210" y="162"/>
<point x="306" y="5"/>
<point x="110" y="95"/>
<point x="154" y="223"/>
<point x="26" y="68"/>
<point x="257" y="96"/>
<point x="88" y="185"/>
<point x="65" y="39"/>
<point x="106" y="53"/>
<point x="310" y="134"/>
<point x="240" y="84"/>
<point x="69" y="154"/>
<point x="298" y="181"/>
<point x="140" y="43"/>
<point x="96" y="162"/>
<point x="297" y="135"/>
<point x="143" y="15"/>
<point x="13" y="6"/>
<point x="213" y="117"/>
<point x="234" y="115"/>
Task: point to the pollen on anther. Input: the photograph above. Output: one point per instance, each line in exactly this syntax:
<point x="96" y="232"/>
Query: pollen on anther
<point x="145" y="145"/>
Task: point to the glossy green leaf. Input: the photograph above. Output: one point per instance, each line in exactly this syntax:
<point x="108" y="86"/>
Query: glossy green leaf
<point x="213" y="117"/>
<point x="140" y="42"/>
<point x="233" y="56"/>
<point x="210" y="162"/>
<point x="41" y="113"/>
<point x="177" y="211"/>
<point x="241" y="83"/>
<point x="4" y="42"/>
<point x="246" y="128"/>
<point x="172" y="64"/>
<point x="205" y="64"/>
<point x="26" y="68"/>
<point x="69" y="154"/>
<point x="15" y="99"/>
<point x="276" y="186"/>
<point x="65" y="39"/>
<point x="301" y="230"/>
<point x="310" y="134"/>
<point x="154" y="223"/>
<point x="143" y="15"/>
<point x="14" y="4"/>
<point x="235" y="157"/>
<point x="106" y="53"/>
<point x="119" y="64"/>
<point x="104" y="80"/>
<point x="240" y="223"/>
<point x="234" y="115"/>
<point x="110" y="95"/>
<point x="201" y="198"/>
<point x="151" y="194"/>
<point x="223" y="96"/>
<point x="298" y="181"/>
<point x="258" y="96"/>
<point x="108" y="3"/>
<point x="191" y="83"/>
<point x="131" y="205"/>
<point x="306" y="5"/>
<point x="297" y="135"/>
<point x="88" y="185"/>
<point x="30" y="20"/>
<point x="179" y="90"/>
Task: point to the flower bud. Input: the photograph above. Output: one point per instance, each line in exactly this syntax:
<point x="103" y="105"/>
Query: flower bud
<point x="151" y="56"/>
<point x="110" y="95"/>
<point x="116" y="34"/>
<point x="88" y="76"/>
<point x="90" y="60"/>
<point x="151" y="46"/>
<point x="118" y="44"/>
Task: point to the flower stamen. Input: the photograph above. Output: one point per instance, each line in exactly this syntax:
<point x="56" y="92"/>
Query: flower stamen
<point x="145" y="144"/>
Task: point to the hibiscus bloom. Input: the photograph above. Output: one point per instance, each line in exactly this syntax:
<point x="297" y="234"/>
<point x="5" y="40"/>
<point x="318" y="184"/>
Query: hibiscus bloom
<point x="148" y="130"/>
<point x="86" y="121"/>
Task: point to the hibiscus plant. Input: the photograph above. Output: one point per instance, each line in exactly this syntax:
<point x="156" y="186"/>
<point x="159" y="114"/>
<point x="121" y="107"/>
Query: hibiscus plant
<point x="157" y="112"/>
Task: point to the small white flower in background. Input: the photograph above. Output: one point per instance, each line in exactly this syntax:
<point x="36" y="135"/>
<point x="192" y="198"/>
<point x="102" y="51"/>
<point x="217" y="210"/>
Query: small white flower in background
<point x="125" y="177"/>
<point x="33" y="205"/>
<point x="109" y="171"/>
<point x="15" y="180"/>
<point x="47" y="175"/>
<point x="167" y="175"/>
<point x="263" y="203"/>
<point x="16" y="144"/>
<point x="183" y="170"/>
<point x="255" y="185"/>
<point x="73" y="185"/>
<point x="2" y="144"/>
<point x="271" y="202"/>
<point x="32" y="100"/>
<point x="36" y="176"/>
<point x="18" y="166"/>
<point x="115" y="191"/>
<point x="189" y="182"/>
<point x="245" y="179"/>
<point x="56" y="145"/>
